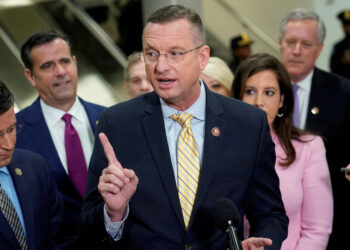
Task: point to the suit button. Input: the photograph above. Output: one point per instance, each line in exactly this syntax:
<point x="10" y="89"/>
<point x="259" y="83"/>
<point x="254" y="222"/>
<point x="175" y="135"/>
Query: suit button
<point x="188" y="247"/>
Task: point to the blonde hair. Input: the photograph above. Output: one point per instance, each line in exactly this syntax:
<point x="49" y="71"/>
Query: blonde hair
<point x="218" y="69"/>
<point x="133" y="58"/>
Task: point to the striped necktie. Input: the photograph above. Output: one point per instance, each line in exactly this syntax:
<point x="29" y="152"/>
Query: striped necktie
<point x="11" y="216"/>
<point x="188" y="165"/>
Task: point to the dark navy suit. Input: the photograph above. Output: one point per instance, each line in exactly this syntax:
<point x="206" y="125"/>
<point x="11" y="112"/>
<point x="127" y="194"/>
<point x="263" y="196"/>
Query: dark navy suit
<point x="35" y="136"/>
<point x="329" y="116"/>
<point x="237" y="164"/>
<point x="40" y="202"/>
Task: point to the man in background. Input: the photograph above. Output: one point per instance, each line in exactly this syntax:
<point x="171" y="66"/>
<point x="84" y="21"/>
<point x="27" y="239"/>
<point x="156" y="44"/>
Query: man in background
<point x="135" y="79"/>
<point x="321" y="105"/>
<point x="240" y="49"/>
<point x="30" y="205"/>
<point x="340" y="58"/>
<point x="59" y="125"/>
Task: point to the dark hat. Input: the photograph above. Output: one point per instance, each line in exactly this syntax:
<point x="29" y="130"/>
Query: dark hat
<point x="344" y="16"/>
<point x="239" y="41"/>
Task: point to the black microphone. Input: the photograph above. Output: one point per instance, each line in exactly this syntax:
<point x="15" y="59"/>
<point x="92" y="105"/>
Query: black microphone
<point x="226" y="218"/>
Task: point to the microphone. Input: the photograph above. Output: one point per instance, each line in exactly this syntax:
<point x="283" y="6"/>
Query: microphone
<point x="226" y="218"/>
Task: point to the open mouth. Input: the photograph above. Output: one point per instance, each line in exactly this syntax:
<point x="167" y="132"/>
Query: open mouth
<point x="61" y="83"/>
<point x="165" y="81"/>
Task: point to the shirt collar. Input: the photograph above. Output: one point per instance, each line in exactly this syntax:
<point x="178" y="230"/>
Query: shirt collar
<point x="197" y="109"/>
<point x="54" y="115"/>
<point x="305" y="84"/>
<point x="4" y="170"/>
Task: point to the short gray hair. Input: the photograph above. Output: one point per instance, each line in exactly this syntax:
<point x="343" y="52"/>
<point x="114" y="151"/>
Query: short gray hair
<point x="302" y="14"/>
<point x="172" y="13"/>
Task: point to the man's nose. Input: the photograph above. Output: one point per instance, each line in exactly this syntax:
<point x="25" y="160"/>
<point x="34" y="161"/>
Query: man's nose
<point x="8" y="141"/>
<point x="162" y="63"/>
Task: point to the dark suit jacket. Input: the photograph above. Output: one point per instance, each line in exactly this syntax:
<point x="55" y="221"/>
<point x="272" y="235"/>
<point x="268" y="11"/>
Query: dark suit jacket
<point x="39" y="199"/>
<point x="35" y="136"/>
<point x="237" y="164"/>
<point x="330" y="94"/>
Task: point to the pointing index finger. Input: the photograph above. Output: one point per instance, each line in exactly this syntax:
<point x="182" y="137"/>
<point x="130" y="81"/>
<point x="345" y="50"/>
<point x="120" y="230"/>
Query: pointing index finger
<point x="108" y="149"/>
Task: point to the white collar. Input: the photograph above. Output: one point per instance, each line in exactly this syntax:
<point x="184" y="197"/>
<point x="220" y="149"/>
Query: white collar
<point x="305" y="84"/>
<point x="54" y="115"/>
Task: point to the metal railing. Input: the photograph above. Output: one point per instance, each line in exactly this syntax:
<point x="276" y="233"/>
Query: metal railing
<point x="249" y="25"/>
<point x="96" y="31"/>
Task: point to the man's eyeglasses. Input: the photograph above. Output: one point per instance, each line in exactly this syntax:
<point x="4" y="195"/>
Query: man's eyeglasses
<point x="151" y="56"/>
<point x="14" y="129"/>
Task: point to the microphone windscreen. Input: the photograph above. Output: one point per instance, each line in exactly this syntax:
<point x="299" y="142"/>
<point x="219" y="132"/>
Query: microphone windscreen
<point x="224" y="210"/>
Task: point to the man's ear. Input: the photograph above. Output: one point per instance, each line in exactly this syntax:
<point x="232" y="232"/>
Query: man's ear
<point x="204" y="54"/>
<point x="30" y="77"/>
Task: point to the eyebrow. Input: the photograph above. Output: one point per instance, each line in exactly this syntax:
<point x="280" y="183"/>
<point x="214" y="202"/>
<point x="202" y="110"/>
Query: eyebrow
<point x="42" y="65"/>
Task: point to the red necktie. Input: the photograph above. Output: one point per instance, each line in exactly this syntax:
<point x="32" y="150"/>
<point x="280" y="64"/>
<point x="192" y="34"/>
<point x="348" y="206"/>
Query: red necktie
<point x="77" y="169"/>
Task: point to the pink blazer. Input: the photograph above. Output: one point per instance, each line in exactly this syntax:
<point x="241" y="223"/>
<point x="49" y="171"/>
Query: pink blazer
<point x="306" y="193"/>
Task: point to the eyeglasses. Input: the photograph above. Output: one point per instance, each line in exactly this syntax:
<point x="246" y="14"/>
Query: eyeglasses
<point x="14" y="129"/>
<point x="151" y="56"/>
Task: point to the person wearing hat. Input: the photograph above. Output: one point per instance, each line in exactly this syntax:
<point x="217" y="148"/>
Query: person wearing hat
<point x="240" y="48"/>
<point x="340" y="59"/>
<point x="218" y="76"/>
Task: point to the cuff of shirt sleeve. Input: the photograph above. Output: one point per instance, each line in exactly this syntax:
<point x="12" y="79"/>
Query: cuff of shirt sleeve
<point x="115" y="229"/>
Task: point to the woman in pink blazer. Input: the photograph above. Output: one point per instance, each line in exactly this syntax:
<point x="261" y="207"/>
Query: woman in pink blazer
<point x="301" y="164"/>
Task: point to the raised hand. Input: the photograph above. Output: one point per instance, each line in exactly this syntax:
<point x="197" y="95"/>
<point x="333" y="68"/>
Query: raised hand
<point x="116" y="184"/>
<point x="255" y="243"/>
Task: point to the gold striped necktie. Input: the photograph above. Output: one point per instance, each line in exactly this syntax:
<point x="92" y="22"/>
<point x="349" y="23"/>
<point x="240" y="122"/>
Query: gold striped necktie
<point x="188" y="165"/>
<point x="11" y="216"/>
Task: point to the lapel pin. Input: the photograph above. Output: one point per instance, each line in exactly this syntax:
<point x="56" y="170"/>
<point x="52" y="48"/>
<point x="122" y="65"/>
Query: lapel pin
<point x="18" y="171"/>
<point x="315" y="110"/>
<point x="97" y="122"/>
<point x="215" y="131"/>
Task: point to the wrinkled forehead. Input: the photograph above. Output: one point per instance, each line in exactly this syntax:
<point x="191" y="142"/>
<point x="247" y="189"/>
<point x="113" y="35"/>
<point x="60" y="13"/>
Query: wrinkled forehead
<point x="305" y="27"/>
<point x="169" y="34"/>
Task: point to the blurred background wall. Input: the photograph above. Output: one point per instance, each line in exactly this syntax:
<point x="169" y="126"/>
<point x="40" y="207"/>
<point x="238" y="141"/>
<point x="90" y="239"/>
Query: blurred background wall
<point x="104" y="32"/>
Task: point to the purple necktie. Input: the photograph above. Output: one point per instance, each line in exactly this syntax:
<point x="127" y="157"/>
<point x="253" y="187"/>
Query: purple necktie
<point x="77" y="169"/>
<point x="296" y="114"/>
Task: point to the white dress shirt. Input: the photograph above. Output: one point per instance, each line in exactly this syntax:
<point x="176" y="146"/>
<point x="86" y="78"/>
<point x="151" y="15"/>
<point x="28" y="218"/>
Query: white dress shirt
<point x="56" y="127"/>
<point x="304" y="97"/>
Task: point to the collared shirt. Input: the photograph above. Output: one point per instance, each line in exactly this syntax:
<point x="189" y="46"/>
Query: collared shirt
<point x="57" y="126"/>
<point x="9" y="188"/>
<point x="304" y="97"/>
<point x="172" y="130"/>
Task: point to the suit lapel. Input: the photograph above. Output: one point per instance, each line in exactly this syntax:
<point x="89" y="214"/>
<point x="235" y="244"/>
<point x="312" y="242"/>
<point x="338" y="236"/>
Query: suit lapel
<point x="23" y="195"/>
<point x="155" y="134"/>
<point x="7" y="232"/>
<point x="92" y="114"/>
<point x="41" y="137"/>
<point x="211" y="148"/>
<point x="318" y="97"/>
